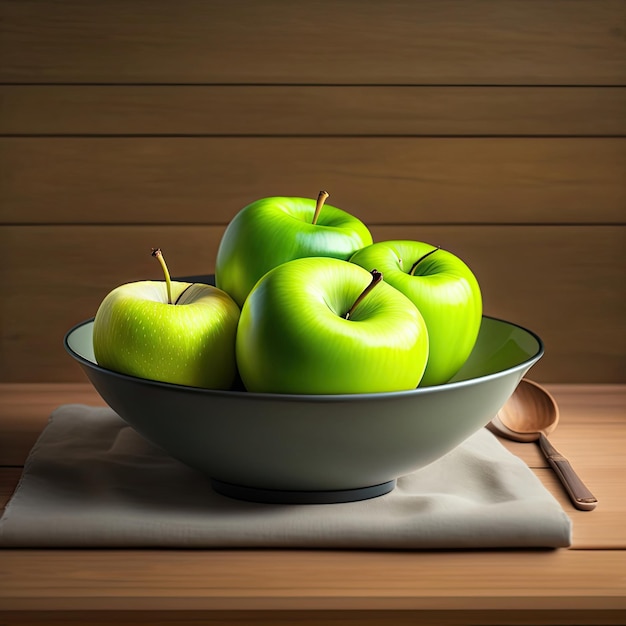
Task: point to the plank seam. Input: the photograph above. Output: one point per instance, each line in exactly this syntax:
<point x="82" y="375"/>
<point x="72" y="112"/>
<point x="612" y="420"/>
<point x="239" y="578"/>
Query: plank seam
<point x="533" y="224"/>
<point x="297" y="136"/>
<point x="318" y="85"/>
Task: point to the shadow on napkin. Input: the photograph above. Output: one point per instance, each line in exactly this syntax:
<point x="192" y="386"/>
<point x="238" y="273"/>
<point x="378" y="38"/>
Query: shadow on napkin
<point x="92" y="481"/>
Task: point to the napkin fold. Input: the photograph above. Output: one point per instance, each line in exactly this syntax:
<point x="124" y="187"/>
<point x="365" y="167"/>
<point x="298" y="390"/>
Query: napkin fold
<point x="92" y="481"/>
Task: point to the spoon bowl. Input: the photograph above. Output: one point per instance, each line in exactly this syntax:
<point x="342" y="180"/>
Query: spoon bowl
<point x="530" y="411"/>
<point x="531" y="414"/>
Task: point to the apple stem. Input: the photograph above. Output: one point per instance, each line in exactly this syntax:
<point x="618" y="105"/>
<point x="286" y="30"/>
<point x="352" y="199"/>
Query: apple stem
<point x="168" y="282"/>
<point x="376" y="278"/>
<point x="414" y="266"/>
<point x="321" y="198"/>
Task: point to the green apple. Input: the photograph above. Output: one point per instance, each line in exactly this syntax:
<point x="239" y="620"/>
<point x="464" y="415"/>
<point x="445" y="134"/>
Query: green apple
<point x="445" y="291"/>
<point x="271" y="231"/>
<point x="320" y="325"/>
<point x="174" y="332"/>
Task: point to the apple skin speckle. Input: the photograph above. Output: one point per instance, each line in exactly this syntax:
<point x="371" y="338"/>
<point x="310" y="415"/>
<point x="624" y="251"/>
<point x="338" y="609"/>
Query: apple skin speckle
<point x="191" y="343"/>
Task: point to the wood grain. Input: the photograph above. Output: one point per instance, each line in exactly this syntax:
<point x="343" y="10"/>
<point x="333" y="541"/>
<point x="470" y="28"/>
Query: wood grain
<point x="200" y="180"/>
<point x="495" y="129"/>
<point x="583" y="585"/>
<point x="314" y="618"/>
<point x="530" y="275"/>
<point x="311" y="110"/>
<point x="306" y="580"/>
<point x="437" y="114"/>
<point x="567" y="42"/>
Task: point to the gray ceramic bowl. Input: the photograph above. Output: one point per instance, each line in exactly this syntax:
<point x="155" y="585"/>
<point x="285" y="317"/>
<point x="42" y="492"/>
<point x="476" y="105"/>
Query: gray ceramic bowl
<point x="290" y="448"/>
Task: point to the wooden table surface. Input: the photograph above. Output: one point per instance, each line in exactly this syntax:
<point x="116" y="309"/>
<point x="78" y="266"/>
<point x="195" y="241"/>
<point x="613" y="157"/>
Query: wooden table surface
<point x="585" y="584"/>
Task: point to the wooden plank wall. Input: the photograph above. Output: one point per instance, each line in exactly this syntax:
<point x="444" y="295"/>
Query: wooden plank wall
<point x="494" y="128"/>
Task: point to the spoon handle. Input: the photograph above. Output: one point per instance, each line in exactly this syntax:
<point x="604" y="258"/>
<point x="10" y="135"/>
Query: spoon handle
<point x="580" y="496"/>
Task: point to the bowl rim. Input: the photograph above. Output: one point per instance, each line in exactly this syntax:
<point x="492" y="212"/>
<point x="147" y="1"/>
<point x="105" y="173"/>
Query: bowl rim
<point x="347" y="397"/>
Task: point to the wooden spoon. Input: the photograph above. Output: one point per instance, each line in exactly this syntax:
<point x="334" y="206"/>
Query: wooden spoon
<point x="531" y="414"/>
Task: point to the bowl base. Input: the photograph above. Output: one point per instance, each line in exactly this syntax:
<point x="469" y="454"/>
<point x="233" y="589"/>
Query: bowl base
<point x="279" y="496"/>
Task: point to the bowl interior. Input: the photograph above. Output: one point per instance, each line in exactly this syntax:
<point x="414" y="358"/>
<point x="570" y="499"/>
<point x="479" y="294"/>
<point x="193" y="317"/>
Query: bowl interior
<point x="500" y="346"/>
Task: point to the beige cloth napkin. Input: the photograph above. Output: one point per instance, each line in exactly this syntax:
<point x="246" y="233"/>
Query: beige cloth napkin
<point x="92" y="481"/>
